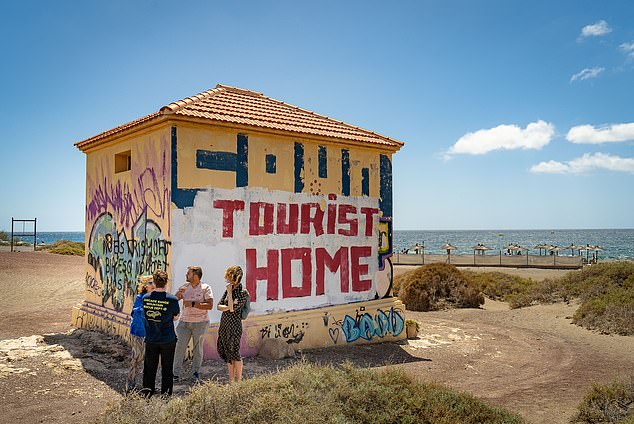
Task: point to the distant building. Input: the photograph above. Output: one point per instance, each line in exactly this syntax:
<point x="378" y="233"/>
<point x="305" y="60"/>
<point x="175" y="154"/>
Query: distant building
<point x="231" y="177"/>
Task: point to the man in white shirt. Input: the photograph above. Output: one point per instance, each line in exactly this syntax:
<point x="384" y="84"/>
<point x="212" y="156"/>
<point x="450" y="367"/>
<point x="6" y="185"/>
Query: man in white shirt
<point x="197" y="300"/>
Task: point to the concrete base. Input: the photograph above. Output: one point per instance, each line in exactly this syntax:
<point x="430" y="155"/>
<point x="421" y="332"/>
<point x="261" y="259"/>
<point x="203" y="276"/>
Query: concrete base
<point x="92" y="316"/>
<point x="372" y="321"/>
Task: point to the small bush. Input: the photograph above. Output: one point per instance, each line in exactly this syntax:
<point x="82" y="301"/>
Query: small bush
<point x="65" y="247"/>
<point x="610" y="313"/>
<point x="436" y="286"/>
<point x="498" y="285"/>
<point x="606" y="292"/>
<point x="611" y="403"/>
<point x="314" y="394"/>
<point x="4" y="236"/>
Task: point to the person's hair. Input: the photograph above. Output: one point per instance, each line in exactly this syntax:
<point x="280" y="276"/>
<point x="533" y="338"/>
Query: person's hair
<point x="144" y="280"/>
<point x="160" y="278"/>
<point x="197" y="271"/>
<point x="234" y="274"/>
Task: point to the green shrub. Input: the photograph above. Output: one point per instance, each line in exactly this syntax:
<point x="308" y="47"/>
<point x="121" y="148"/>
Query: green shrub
<point x="65" y="247"/>
<point x="597" y="279"/>
<point x="611" y="312"/>
<point x="606" y="292"/>
<point x="610" y="403"/>
<point x="313" y="394"/>
<point x="498" y="285"/>
<point x="4" y="236"/>
<point x="436" y="286"/>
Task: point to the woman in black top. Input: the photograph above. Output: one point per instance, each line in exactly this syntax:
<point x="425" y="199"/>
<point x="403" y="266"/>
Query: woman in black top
<point x="230" y="330"/>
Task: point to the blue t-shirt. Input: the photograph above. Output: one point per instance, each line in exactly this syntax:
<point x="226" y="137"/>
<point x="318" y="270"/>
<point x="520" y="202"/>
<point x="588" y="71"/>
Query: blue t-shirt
<point x="160" y="309"/>
<point x="137" y="326"/>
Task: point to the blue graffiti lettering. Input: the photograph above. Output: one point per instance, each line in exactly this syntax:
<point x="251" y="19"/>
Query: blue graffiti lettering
<point x="367" y="327"/>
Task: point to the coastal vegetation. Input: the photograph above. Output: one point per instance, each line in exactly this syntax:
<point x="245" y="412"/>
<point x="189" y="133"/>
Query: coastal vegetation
<point x="609" y="403"/>
<point x="316" y="394"/>
<point x="436" y="286"/>
<point x="64" y="247"/>
<point x="5" y="239"/>
<point x="605" y="292"/>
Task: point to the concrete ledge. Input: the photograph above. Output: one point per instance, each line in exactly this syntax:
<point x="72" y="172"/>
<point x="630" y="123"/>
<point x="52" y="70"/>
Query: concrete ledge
<point x="372" y="321"/>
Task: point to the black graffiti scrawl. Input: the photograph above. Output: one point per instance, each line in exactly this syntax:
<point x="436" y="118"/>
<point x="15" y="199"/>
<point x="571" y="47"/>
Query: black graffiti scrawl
<point x="118" y="260"/>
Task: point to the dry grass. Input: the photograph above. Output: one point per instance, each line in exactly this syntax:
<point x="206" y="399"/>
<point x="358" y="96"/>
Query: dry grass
<point x="611" y="403"/>
<point x="436" y="286"/>
<point x="65" y="247"/>
<point x="606" y="292"/>
<point x="306" y="393"/>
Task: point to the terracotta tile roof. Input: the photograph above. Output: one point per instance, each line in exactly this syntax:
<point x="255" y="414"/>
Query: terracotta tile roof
<point x="244" y="107"/>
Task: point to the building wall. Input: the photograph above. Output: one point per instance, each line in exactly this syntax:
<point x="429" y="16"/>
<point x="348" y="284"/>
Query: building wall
<point x="127" y="220"/>
<point x="308" y="220"/>
<point x="304" y="218"/>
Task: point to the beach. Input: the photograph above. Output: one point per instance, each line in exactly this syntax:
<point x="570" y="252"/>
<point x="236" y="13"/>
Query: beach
<point x="532" y="361"/>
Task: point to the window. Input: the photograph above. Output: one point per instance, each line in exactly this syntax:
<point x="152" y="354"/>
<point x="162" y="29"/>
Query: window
<point x="323" y="162"/>
<point x="122" y="162"/>
<point x="271" y="166"/>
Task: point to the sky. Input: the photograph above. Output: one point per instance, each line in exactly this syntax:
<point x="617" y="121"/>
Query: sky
<point x="514" y="114"/>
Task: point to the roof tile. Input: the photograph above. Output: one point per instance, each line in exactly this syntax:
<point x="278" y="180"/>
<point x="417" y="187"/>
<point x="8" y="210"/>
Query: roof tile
<point x="239" y="106"/>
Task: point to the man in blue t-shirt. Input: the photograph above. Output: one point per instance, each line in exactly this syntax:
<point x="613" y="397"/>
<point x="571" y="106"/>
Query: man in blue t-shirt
<point x="161" y="309"/>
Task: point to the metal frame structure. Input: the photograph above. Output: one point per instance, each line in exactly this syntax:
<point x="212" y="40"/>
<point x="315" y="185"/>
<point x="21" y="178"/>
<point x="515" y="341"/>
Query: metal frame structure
<point x="23" y="234"/>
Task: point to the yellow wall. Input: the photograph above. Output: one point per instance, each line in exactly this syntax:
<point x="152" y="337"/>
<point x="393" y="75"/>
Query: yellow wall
<point x="192" y="137"/>
<point x="115" y="204"/>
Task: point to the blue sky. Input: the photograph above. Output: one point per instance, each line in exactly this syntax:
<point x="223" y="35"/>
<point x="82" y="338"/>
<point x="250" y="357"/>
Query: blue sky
<point x="515" y="115"/>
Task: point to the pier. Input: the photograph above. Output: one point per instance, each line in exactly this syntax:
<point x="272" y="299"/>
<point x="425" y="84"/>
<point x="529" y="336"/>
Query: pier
<point x="508" y="261"/>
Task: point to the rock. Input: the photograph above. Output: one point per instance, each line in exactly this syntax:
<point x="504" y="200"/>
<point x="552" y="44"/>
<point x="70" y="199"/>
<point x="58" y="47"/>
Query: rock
<point x="276" y="349"/>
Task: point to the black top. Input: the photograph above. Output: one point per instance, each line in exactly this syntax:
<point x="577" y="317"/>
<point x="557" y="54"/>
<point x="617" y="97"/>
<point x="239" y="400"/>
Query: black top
<point x="160" y="309"/>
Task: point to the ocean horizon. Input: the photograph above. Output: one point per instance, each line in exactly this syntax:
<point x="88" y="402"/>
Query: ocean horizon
<point x="616" y="244"/>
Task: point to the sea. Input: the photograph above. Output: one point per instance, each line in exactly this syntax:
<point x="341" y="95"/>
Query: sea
<point x="617" y="244"/>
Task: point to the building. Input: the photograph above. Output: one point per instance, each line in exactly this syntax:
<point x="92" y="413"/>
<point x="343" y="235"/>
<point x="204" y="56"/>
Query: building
<point x="231" y="177"/>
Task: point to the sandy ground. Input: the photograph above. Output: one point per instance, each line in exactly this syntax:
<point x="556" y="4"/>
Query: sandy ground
<point x="532" y="361"/>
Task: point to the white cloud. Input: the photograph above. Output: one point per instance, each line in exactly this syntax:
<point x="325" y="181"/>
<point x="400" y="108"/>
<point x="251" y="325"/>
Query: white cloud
<point x="587" y="134"/>
<point x="504" y="137"/>
<point x="586" y="163"/>
<point x="587" y="73"/>
<point x="628" y="48"/>
<point x="596" y="30"/>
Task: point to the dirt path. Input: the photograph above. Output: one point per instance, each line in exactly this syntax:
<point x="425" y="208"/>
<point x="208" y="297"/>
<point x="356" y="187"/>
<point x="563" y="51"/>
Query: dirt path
<point x="532" y="361"/>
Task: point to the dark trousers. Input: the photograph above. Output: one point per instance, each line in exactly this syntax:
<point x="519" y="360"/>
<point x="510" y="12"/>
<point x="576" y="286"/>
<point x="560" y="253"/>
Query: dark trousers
<point x="154" y="351"/>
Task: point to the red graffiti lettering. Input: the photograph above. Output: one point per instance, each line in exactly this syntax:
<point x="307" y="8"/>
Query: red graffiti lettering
<point x="268" y="273"/>
<point x="228" y="208"/>
<point x="352" y="223"/>
<point x="337" y="262"/>
<point x="317" y="220"/>
<point x="261" y="224"/>
<point x="358" y="269"/>
<point x="289" y="255"/>
<point x="284" y="225"/>
<point x="369" y="222"/>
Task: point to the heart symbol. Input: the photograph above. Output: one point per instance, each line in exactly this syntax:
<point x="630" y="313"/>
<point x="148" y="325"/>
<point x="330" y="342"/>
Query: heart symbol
<point x="334" y="334"/>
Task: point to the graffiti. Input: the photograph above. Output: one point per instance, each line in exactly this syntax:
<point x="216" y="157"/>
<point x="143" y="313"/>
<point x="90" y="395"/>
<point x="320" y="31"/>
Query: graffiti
<point x="119" y="260"/>
<point x="117" y="198"/>
<point x="92" y="284"/>
<point x="334" y="334"/>
<point x="293" y="333"/>
<point x="126" y="202"/>
<point x="104" y="321"/>
<point x="367" y="327"/>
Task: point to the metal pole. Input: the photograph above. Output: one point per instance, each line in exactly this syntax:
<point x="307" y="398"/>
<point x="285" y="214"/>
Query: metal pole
<point x="12" y="234"/>
<point x="34" y="233"/>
